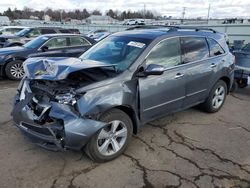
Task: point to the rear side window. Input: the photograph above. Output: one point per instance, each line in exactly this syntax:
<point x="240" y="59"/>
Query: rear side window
<point x="47" y="31"/>
<point x="167" y="53"/>
<point x="78" y="41"/>
<point x="215" y="48"/>
<point x="194" y="49"/>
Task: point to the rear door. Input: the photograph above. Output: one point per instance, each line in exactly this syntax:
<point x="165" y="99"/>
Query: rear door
<point x="163" y="94"/>
<point x="199" y="68"/>
<point x="77" y="45"/>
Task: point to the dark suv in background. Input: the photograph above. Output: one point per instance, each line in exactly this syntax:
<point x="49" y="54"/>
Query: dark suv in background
<point x="30" y="33"/>
<point x="97" y="101"/>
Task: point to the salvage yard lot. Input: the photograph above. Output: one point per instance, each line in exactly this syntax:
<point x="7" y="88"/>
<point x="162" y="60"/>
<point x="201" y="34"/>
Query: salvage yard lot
<point x="187" y="149"/>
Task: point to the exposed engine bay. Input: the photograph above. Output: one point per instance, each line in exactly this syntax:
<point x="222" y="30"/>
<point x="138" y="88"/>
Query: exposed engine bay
<point x="73" y="82"/>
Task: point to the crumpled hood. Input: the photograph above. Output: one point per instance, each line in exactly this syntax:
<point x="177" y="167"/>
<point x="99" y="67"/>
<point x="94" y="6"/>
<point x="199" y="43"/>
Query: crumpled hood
<point x="57" y="68"/>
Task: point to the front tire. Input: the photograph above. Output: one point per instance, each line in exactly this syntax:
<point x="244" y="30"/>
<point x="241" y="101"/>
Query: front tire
<point x="14" y="70"/>
<point x="216" y="98"/>
<point x="111" y="141"/>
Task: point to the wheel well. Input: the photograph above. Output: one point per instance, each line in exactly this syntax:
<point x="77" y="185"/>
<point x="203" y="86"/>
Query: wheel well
<point x="12" y="59"/>
<point x="130" y="112"/>
<point x="227" y="81"/>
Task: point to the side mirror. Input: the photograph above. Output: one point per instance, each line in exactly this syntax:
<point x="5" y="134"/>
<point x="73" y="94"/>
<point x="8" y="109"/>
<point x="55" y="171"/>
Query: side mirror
<point x="44" y="48"/>
<point x="154" y="69"/>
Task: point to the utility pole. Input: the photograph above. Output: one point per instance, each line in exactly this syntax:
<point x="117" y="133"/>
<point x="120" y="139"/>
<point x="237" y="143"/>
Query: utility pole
<point x="144" y="11"/>
<point x="61" y="15"/>
<point x="208" y="12"/>
<point x="183" y="14"/>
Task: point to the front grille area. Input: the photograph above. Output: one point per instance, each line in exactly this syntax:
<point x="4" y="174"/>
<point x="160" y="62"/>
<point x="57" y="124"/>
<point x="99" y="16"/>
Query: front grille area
<point x="41" y="130"/>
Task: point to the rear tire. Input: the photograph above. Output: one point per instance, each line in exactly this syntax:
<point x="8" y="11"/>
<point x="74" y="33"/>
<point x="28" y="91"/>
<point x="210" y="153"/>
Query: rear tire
<point x="242" y="83"/>
<point x="216" y="98"/>
<point x="111" y="141"/>
<point x="14" y="70"/>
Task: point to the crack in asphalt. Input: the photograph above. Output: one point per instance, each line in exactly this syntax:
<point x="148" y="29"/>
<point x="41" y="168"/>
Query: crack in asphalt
<point x="165" y="132"/>
<point x="146" y="182"/>
<point x="143" y="141"/>
<point x="237" y="97"/>
<point x="234" y="124"/>
<point x="74" y="174"/>
<point x="59" y="174"/>
<point x="182" y="140"/>
<point x="212" y="152"/>
<point x="182" y="157"/>
<point x="144" y="169"/>
<point x="5" y="122"/>
<point x="77" y="173"/>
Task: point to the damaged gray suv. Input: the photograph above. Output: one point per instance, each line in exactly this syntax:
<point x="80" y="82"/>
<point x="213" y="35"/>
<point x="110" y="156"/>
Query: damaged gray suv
<point x="96" y="102"/>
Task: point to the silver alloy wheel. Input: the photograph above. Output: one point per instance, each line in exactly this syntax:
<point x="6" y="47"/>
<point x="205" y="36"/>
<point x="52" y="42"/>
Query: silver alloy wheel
<point x="17" y="71"/>
<point x="112" y="138"/>
<point x="218" y="98"/>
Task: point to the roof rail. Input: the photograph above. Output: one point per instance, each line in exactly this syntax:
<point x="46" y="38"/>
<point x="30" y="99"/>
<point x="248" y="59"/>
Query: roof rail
<point x="171" y="28"/>
<point x="195" y="28"/>
<point x="145" y="27"/>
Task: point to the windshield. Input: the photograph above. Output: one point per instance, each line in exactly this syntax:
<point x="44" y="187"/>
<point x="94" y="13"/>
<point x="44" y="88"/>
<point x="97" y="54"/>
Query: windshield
<point x="36" y="43"/>
<point x="120" y="51"/>
<point x="23" y="32"/>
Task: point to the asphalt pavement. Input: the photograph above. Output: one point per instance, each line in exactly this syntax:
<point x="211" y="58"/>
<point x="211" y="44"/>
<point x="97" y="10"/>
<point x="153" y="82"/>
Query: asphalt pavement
<point x="186" y="149"/>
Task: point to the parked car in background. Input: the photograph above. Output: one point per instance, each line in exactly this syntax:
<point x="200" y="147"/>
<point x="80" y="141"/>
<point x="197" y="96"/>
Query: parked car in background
<point x="11" y="30"/>
<point x="72" y="31"/>
<point x="98" y="35"/>
<point x="98" y="101"/>
<point x="134" y="22"/>
<point x="28" y="34"/>
<point x="242" y="61"/>
<point x="50" y="45"/>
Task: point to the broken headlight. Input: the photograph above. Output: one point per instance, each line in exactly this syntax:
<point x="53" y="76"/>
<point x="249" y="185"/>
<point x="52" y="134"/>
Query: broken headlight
<point x="66" y="98"/>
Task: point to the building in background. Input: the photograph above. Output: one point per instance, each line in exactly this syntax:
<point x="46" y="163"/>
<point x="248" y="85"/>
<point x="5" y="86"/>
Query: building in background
<point x="4" y="20"/>
<point x="46" y="18"/>
<point x="98" y="19"/>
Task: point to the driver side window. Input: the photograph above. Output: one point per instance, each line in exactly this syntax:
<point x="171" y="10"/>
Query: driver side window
<point x="56" y="43"/>
<point x="167" y="53"/>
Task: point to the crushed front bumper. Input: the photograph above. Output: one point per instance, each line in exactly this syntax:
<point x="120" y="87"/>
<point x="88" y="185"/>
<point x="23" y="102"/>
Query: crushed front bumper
<point x="66" y="131"/>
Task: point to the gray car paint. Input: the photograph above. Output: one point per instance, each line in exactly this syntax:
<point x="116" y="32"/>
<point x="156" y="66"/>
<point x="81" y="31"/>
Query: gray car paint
<point x="143" y="98"/>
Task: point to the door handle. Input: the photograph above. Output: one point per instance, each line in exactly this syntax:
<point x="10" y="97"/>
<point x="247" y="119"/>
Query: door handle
<point x="213" y="65"/>
<point x="178" y="75"/>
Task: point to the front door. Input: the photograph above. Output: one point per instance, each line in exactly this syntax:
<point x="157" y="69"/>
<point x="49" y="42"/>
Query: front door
<point x="163" y="94"/>
<point x="57" y="47"/>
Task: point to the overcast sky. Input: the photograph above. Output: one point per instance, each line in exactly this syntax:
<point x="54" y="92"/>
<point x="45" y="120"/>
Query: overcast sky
<point x="194" y="8"/>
